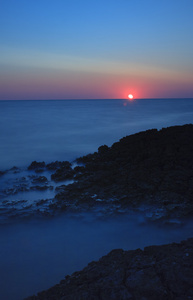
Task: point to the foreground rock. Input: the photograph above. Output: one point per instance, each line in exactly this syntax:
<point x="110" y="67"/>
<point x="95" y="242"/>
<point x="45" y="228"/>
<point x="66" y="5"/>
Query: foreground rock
<point x="159" y="272"/>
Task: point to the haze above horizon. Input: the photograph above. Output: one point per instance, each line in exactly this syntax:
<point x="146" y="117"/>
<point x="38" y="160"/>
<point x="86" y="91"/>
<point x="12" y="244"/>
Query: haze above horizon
<point x="96" y="50"/>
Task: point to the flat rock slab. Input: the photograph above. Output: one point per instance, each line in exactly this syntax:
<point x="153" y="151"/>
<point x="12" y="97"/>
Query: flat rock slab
<point x="157" y="272"/>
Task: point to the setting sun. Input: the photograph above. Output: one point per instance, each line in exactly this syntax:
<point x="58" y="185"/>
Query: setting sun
<point x="130" y="96"/>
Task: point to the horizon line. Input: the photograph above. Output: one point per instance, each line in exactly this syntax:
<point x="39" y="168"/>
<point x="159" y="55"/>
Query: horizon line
<point x="93" y="99"/>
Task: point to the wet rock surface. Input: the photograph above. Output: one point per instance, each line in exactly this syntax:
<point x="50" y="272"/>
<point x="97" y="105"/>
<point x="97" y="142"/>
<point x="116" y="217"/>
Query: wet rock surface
<point x="21" y="193"/>
<point x="38" y="167"/>
<point x="151" y="171"/>
<point x="153" y="168"/>
<point x="64" y="172"/>
<point x="157" y="272"/>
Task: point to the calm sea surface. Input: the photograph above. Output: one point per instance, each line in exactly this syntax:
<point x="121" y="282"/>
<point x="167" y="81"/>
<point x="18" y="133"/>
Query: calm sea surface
<point x="63" y="130"/>
<point x="36" y="254"/>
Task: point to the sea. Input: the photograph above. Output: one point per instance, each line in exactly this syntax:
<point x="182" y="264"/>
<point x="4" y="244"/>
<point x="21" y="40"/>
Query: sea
<point x="35" y="254"/>
<point x="64" y="130"/>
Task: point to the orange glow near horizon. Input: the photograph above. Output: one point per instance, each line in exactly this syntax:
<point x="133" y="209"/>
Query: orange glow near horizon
<point x="62" y="84"/>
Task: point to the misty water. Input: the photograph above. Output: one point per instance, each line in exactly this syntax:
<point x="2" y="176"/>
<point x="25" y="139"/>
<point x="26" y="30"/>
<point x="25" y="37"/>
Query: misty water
<point x="37" y="253"/>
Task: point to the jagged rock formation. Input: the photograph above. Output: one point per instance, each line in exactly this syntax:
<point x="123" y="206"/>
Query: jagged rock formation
<point x="152" y="167"/>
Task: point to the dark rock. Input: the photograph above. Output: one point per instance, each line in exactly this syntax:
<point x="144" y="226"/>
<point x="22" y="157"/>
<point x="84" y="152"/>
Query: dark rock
<point x="42" y="201"/>
<point x="152" y="167"/>
<point x="79" y="169"/>
<point x="37" y="165"/>
<point x="60" y="188"/>
<point x="54" y="165"/>
<point x="39" y="170"/>
<point x="41" y="187"/>
<point x="158" y="272"/>
<point x="79" y="173"/>
<point x="39" y="179"/>
<point x="64" y="172"/>
<point x="103" y="150"/>
<point x="15" y="170"/>
<point x="2" y="173"/>
<point x="16" y="189"/>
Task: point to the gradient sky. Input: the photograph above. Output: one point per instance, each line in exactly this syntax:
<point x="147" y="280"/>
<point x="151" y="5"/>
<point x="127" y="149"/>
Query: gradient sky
<point x="71" y="49"/>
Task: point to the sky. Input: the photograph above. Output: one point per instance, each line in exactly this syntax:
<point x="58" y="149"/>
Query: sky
<point x="72" y="49"/>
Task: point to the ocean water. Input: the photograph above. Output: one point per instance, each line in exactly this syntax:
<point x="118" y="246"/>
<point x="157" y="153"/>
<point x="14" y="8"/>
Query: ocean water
<point x="63" y="130"/>
<point x="36" y="254"/>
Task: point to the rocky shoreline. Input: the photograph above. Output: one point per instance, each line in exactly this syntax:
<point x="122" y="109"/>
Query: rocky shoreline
<point x="152" y="168"/>
<point x="157" y="272"/>
<point x="150" y="171"/>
